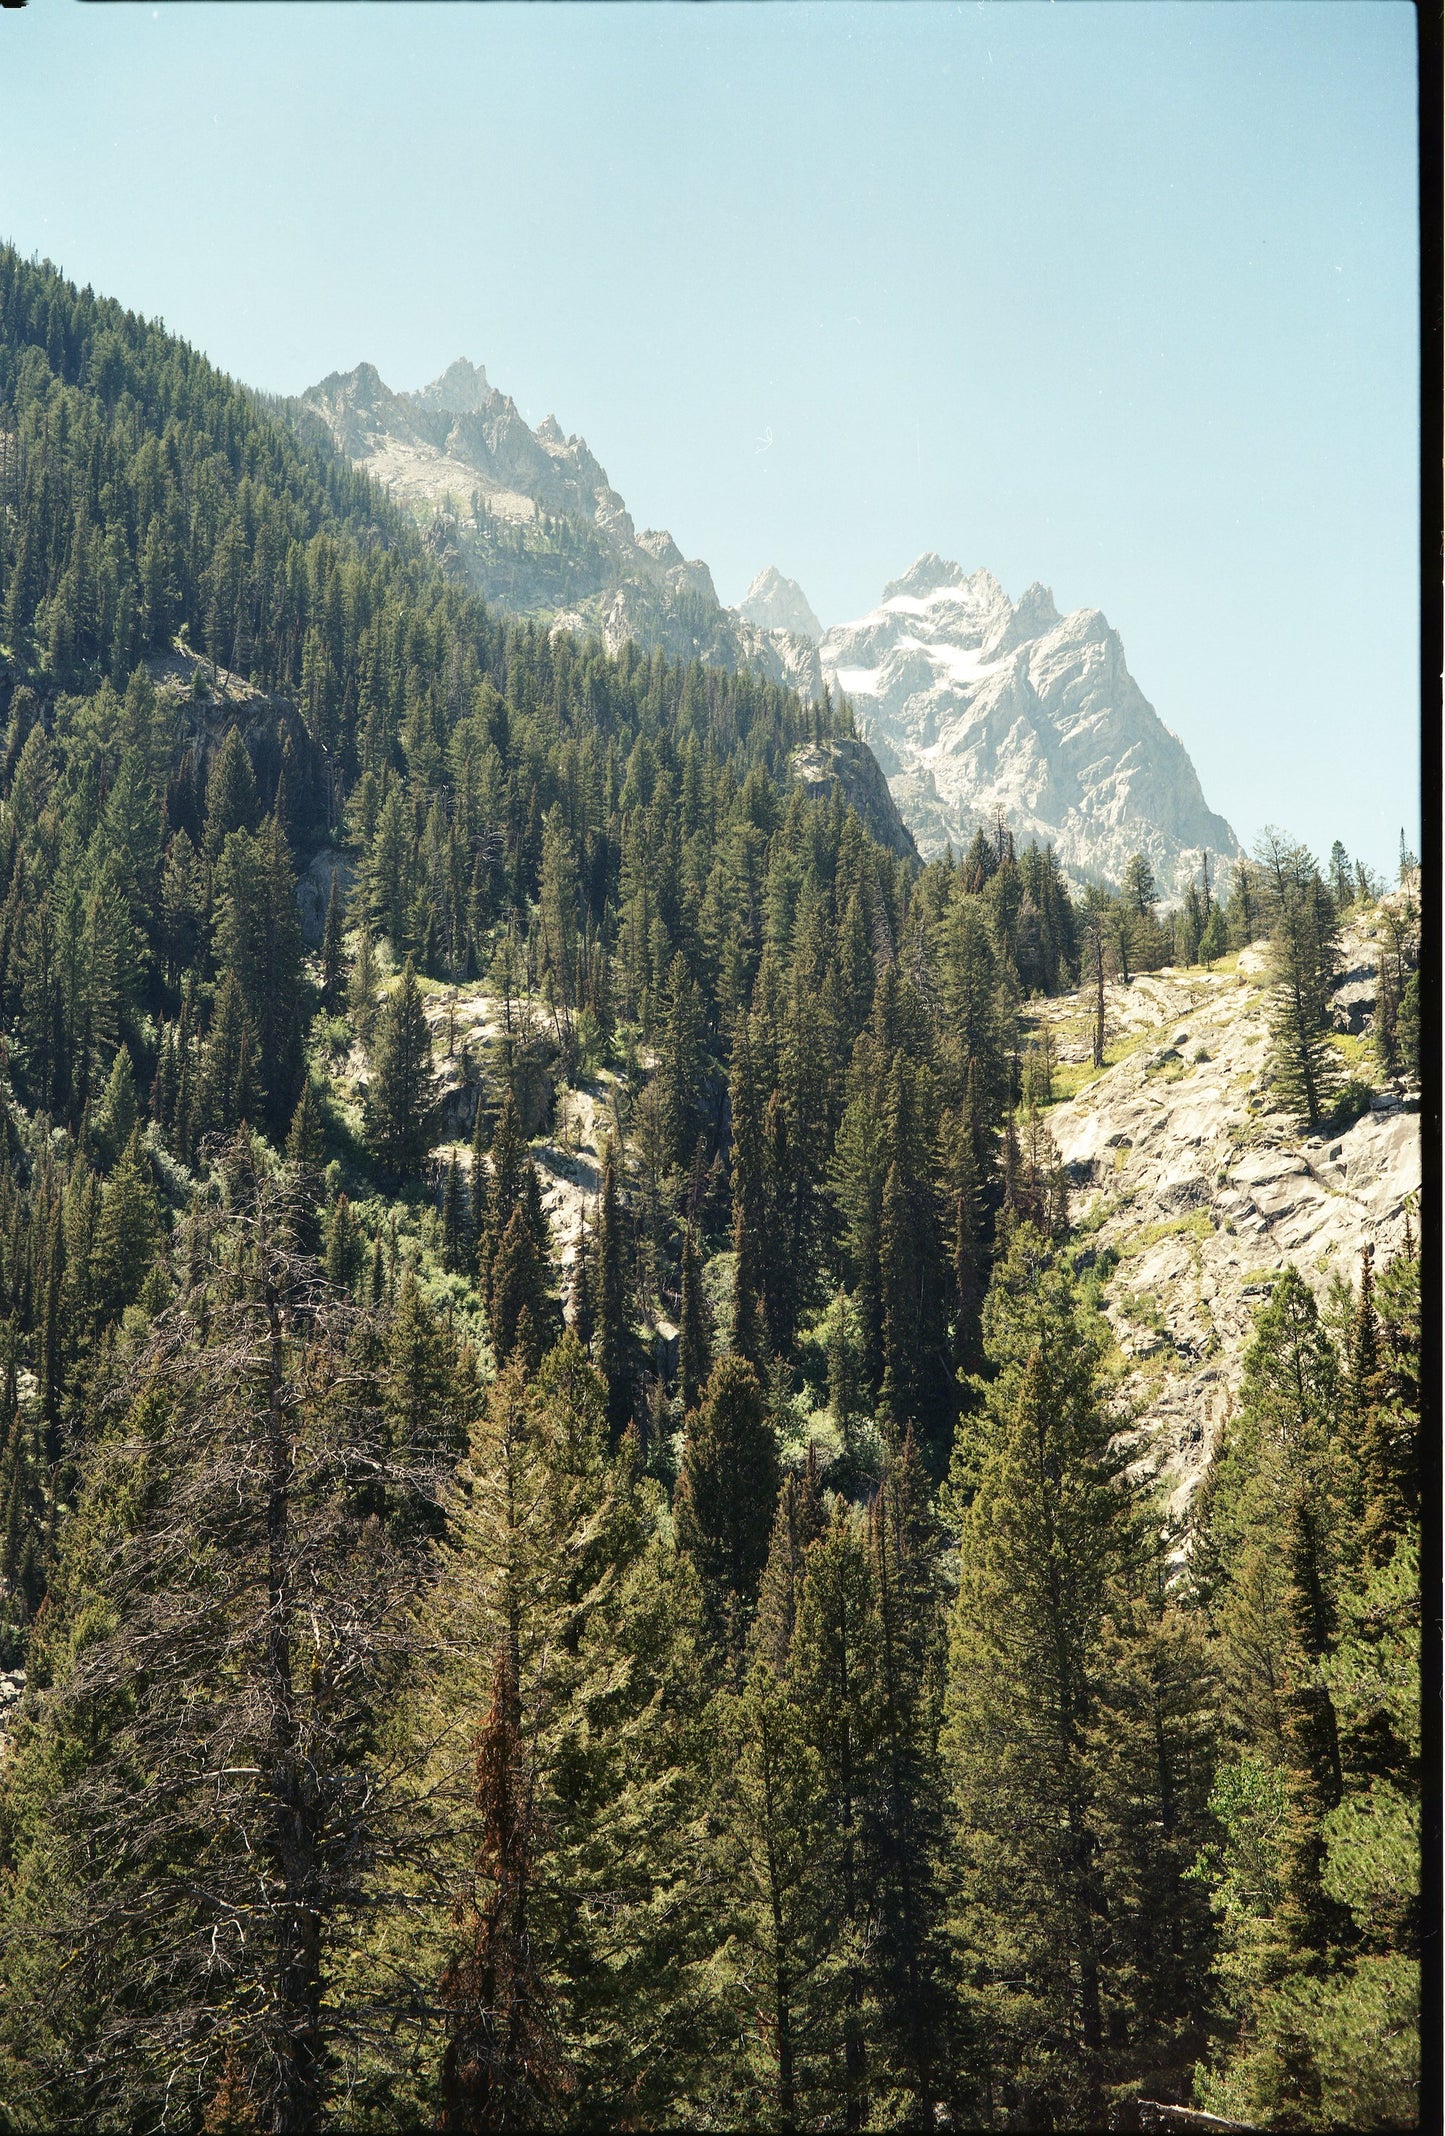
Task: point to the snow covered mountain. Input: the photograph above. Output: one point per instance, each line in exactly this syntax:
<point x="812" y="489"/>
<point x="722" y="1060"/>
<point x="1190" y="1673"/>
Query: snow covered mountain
<point x="531" y="520"/>
<point x="970" y="702"/>
<point x="973" y="703"/>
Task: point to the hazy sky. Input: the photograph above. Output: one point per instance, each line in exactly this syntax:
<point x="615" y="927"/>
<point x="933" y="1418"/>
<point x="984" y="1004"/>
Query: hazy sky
<point x="1123" y="298"/>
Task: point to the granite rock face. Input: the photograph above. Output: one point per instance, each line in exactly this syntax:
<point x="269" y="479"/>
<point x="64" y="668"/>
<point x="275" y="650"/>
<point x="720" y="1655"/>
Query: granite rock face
<point x="531" y="520"/>
<point x="773" y="602"/>
<point x="974" y="703"/>
<point x="1177" y="1159"/>
<point x="851" y="767"/>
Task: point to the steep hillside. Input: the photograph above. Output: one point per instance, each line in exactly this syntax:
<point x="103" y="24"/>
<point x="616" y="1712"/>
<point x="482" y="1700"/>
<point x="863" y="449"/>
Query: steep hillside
<point x="529" y="518"/>
<point x="522" y="1218"/>
<point x="1195" y="1192"/>
<point x="849" y="766"/>
<point x="973" y="704"/>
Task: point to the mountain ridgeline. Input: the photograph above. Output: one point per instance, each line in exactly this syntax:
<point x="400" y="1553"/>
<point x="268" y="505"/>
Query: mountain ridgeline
<point x="572" y="1550"/>
<point x="530" y="520"/>
<point x="972" y="704"/>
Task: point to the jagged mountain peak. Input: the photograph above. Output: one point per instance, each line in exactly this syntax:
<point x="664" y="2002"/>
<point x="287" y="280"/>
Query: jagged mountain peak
<point x="530" y="518"/>
<point x="1034" y="616"/>
<point x="462" y="389"/>
<point x="926" y="574"/>
<point x="973" y="703"/>
<point x="774" y="602"/>
<point x="965" y="605"/>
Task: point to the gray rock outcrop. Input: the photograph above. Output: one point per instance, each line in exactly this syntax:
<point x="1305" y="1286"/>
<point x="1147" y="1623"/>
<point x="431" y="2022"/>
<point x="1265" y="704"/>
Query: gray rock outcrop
<point x="773" y="602"/>
<point x="1179" y="1163"/>
<point x="851" y="767"/>
<point x="531" y="520"/>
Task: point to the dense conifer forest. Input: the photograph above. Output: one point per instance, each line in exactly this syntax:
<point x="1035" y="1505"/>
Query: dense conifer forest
<point x="718" y="1667"/>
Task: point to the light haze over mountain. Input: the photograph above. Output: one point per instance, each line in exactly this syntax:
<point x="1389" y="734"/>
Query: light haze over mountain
<point x="1124" y="299"/>
<point x="531" y="520"/>
<point x="973" y="705"/>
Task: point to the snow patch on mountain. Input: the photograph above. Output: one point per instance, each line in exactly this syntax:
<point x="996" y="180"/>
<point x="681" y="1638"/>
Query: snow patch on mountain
<point x="975" y="703"/>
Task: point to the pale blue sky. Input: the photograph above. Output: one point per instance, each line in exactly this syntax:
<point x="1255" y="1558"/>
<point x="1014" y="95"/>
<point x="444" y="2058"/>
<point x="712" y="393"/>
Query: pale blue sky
<point x="1123" y="298"/>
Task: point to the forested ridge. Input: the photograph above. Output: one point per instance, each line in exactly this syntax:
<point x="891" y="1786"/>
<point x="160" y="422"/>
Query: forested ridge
<point x="715" y="1664"/>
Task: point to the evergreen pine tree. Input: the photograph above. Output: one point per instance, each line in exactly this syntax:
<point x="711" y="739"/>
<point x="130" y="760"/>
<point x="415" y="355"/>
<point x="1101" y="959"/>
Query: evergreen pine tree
<point x="343" y="1245"/>
<point x="503" y="1190"/>
<point x="1152" y="1743"/>
<point x="1314" y="1876"/>
<point x="694" y="1345"/>
<point x="227" y="1084"/>
<point x="363" y="987"/>
<point x="333" y="947"/>
<point x="1303" y="934"/>
<point x="231" y="799"/>
<point x="747" y="1335"/>
<point x="554" y="1559"/>
<point x="612" y="1339"/>
<point x="518" y="1315"/>
<point x="119" y="1108"/>
<point x="1042" y="1540"/>
<point x="501" y="2067"/>
<point x="306" y="1157"/>
<point x="454" y="1253"/>
<point x="771" y="1854"/>
<point x="727" y="1491"/>
<point x="835" y="1677"/>
<point x="424" y="1408"/>
<point x="679" y="1062"/>
<point x="129" y="1233"/>
<point x="400" y="1096"/>
<point x="906" y="1811"/>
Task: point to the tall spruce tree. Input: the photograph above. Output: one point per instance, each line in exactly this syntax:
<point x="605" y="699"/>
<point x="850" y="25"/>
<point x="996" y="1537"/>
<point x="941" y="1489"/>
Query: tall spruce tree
<point x="401" y="1094"/>
<point x="694" y="1343"/>
<point x="333" y="947"/>
<point x="726" y="1493"/>
<point x="501" y="2067"/>
<point x="1046" y="1534"/>
<point x="613" y="1345"/>
<point x="554" y="1562"/>
<point x="1303" y="937"/>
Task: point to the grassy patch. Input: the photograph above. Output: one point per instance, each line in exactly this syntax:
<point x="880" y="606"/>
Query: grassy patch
<point x="1070" y="1077"/>
<point x="1195" y="1223"/>
<point x="1358" y="1053"/>
<point x="1143" y="1309"/>
<point x="1094" y="1217"/>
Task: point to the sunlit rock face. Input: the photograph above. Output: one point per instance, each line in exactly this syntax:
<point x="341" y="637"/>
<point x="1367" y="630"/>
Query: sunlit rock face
<point x="974" y="703"/>
<point x="531" y="520"/>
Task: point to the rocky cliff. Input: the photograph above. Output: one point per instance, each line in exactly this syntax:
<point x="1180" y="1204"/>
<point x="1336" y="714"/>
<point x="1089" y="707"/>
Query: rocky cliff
<point x="1195" y="1191"/>
<point x="973" y="703"/>
<point x="530" y="518"/>
<point x="852" y="768"/>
